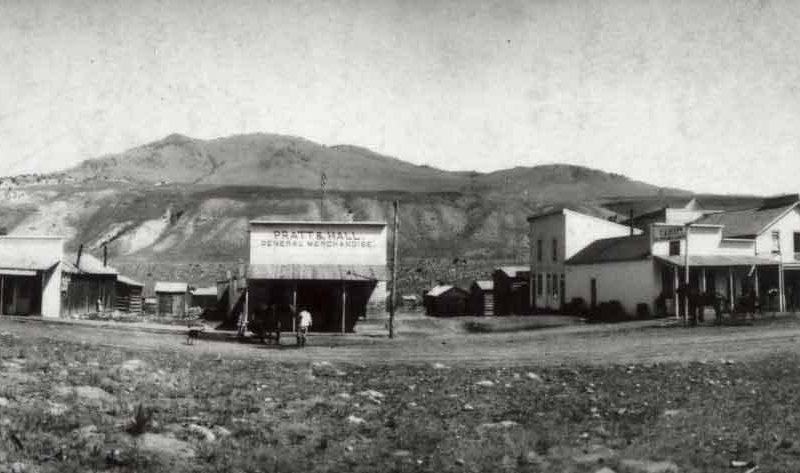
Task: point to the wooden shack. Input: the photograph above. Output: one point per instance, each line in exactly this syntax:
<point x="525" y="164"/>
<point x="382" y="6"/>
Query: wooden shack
<point x="511" y="290"/>
<point x="205" y="298"/>
<point x="172" y="298"/>
<point x="446" y="301"/>
<point x="88" y="285"/>
<point x="129" y="295"/>
<point x="481" y="298"/>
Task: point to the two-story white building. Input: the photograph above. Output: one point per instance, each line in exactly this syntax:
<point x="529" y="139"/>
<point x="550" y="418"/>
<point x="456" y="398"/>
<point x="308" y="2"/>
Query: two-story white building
<point x="555" y="236"/>
<point x="728" y="253"/>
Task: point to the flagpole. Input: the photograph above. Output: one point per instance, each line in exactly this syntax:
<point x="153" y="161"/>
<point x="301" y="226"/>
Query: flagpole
<point x="323" y="182"/>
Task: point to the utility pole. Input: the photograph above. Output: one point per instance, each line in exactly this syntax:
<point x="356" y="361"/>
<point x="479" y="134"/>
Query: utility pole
<point x="393" y="294"/>
<point x="686" y="291"/>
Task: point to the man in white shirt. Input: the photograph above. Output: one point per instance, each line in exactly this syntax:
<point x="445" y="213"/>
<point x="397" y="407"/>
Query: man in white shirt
<point x="303" y="324"/>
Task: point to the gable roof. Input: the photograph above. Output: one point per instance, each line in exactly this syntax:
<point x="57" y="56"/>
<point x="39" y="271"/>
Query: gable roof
<point x="748" y="222"/>
<point x="437" y="291"/>
<point x="171" y="287"/>
<point x="88" y="265"/>
<point x="595" y="211"/>
<point x="513" y="271"/>
<point x="627" y="248"/>
<point x="485" y="285"/>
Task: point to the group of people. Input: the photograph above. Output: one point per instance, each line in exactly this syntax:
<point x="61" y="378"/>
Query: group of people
<point x="267" y="320"/>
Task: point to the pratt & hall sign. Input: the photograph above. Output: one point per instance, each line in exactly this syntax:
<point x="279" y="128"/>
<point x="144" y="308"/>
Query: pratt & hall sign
<point x="315" y="239"/>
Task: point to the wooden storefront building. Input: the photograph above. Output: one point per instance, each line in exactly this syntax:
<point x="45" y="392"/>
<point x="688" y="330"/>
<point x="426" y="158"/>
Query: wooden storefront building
<point x="512" y="290"/>
<point x="87" y="285"/>
<point x="172" y="298"/>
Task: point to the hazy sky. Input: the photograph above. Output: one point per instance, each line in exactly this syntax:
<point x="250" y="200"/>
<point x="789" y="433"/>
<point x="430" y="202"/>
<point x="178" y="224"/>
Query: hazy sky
<point x="698" y="94"/>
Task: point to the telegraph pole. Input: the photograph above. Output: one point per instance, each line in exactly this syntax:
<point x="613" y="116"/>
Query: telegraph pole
<point x="393" y="294"/>
<point x="686" y="291"/>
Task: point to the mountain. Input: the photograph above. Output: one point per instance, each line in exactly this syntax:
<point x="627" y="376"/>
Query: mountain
<point x="183" y="201"/>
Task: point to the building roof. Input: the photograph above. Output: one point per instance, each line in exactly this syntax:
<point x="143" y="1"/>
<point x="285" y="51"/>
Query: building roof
<point x="171" y="287"/>
<point x="485" y="285"/>
<point x="746" y="223"/>
<point x="513" y="271"/>
<point x="88" y="265"/>
<point x="128" y="281"/>
<point x="12" y="258"/>
<point x="585" y="209"/>
<point x="437" y="291"/>
<point x="316" y="222"/>
<point x="324" y="272"/>
<point x="719" y="260"/>
<point x="626" y="248"/>
<point x="205" y="291"/>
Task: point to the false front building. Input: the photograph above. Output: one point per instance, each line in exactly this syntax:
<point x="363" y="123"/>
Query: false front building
<point x="335" y="270"/>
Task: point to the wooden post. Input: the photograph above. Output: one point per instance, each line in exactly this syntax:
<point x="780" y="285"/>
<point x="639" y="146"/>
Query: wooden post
<point x="294" y="305"/>
<point x="393" y="294"/>
<point x="703" y="287"/>
<point x="344" y="306"/>
<point x="675" y="291"/>
<point x="686" y="278"/>
<point x="731" y="295"/>
<point x="2" y="286"/>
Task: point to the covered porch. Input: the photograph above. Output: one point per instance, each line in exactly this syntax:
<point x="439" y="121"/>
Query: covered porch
<point x="729" y="277"/>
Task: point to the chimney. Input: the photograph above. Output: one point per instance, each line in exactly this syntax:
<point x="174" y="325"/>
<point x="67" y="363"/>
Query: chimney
<point x="80" y="252"/>
<point x="630" y="220"/>
<point x="105" y="255"/>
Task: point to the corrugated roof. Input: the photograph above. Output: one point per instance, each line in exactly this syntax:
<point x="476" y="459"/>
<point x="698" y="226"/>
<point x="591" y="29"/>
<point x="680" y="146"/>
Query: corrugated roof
<point x="745" y="223"/>
<point x="128" y="281"/>
<point x="205" y="291"/>
<point x="88" y="265"/>
<point x="719" y="260"/>
<point x="325" y="272"/>
<point x="513" y="271"/>
<point x="625" y="248"/>
<point x="485" y="285"/>
<point x="171" y="287"/>
<point x="12" y="258"/>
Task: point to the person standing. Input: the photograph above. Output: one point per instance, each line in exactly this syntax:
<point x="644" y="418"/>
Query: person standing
<point x="303" y="324"/>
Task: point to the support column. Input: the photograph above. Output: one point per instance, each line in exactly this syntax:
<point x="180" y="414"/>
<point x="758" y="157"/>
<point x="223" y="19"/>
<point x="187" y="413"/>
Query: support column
<point x="758" y="291"/>
<point x="731" y="294"/>
<point x="781" y="289"/>
<point x="703" y="287"/>
<point x="675" y="291"/>
<point x="344" y="306"/>
<point x="294" y="307"/>
<point x="2" y="286"/>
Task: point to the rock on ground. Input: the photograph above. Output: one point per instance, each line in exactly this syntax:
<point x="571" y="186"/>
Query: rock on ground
<point x="204" y="433"/>
<point x="93" y="393"/>
<point x="133" y="365"/>
<point x="647" y="466"/>
<point x="165" y="445"/>
<point x="485" y="383"/>
<point x="325" y="368"/>
<point x="594" y="454"/>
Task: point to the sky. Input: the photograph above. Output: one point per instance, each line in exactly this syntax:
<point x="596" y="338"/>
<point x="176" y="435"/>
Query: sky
<point x="702" y="95"/>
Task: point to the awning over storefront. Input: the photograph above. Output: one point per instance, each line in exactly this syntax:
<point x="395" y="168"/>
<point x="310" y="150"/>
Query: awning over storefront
<point x="718" y="260"/>
<point x="321" y="272"/>
<point x="16" y="272"/>
<point x="12" y="259"/>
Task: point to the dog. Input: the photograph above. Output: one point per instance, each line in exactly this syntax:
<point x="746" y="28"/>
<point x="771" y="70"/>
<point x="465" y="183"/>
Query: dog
<point x="194" y="333"/>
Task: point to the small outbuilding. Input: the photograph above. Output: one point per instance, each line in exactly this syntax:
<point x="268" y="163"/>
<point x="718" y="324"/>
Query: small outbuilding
<point x="129" y="295"/>
<point x="88" y="285"/>
<point x="205" y="298"/>
<point x="511" y="290"/>
<point x="481" y="298"/>
<point x="30" y="275"/>
<point x="446" y="301"/>
<point x="172" y="298"/>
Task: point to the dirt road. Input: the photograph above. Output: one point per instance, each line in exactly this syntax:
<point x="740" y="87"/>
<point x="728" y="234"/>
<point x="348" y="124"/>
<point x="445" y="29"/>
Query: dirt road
<point x="621" y="343"/>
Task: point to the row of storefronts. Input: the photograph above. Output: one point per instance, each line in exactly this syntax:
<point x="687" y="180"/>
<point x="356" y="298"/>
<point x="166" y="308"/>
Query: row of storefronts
<point x="751" y="252"/>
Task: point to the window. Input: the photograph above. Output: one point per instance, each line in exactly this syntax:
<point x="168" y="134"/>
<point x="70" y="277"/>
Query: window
<point x="539" y="251"/>
<point x="539" y="284"/>
<point x="776" y="242"/>
<point x="555" y="249"/>
<point x="674" y="248"/>
<point x="796" y="244"/>
<point x="555" y="284"/>
<point x="548" y="286"/>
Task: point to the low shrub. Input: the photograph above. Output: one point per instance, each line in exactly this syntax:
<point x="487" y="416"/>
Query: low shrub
<point x="610" y="311"/>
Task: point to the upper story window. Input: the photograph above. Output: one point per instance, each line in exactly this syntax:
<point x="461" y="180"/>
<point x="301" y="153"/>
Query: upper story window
<point x="555" y="249"/>
<point x="776" y="241"/>
<point x="675" y="248"/>
<point x="539" y="250"/>
<point x="797" y="245"/>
